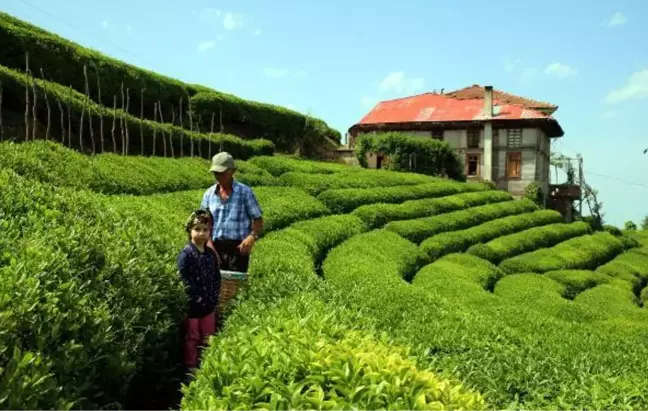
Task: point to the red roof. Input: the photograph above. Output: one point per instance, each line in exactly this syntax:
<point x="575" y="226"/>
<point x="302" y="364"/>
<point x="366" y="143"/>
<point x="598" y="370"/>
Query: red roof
<point x="431" y="107"/>
<point x="477" y="91"/>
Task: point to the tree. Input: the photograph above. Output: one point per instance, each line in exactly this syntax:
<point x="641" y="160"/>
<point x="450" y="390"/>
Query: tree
<point x="630" y="226"/>
<point x="644" y="223"/>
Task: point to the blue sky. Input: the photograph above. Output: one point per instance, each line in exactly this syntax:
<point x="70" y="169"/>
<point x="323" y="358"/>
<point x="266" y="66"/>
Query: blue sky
<point x="335" y="59"/>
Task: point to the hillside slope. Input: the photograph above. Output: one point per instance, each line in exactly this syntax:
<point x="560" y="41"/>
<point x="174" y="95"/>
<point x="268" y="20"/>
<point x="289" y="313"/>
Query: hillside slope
<point x="153" y="96"/>
<point x="353" y="300"/>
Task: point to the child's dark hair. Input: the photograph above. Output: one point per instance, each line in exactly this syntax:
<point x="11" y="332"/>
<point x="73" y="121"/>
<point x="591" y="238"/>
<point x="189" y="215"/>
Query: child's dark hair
<point x="198" y="217"/>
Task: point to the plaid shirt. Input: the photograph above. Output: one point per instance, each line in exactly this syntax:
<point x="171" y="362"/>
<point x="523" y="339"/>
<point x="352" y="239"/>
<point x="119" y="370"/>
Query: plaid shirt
<point x="233" y="217"/>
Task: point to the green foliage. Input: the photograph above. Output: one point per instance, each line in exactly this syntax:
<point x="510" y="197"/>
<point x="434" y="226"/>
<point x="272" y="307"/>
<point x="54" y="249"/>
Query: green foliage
<point x="286" y="205"/>
<point x="313" y="361"/>
<point x="586" y="252"/>
<point x="287" y="129"/>
<point x="532" y="238"/>
<point x="631" y="266"/>
<point x="378" y="214"/>
<point x="630" y="226"/>
<point x="115" y="174"/>
<point x="465" y="268"/>
<point x="153" y="134"/>
<point x="644" y="223"/>
<point x="612" y="230"/>
<point x="63" y="62"/>
<point x="407" y="152"/>
<point x="533" y="192"/>
<point x="280" y="164"/>
<point x="344" y="200"/>
<point x="577" y="281"/>
<point x="315" y="183"/>
<point x="419" y="229"/>
<point x="459" y="241"/>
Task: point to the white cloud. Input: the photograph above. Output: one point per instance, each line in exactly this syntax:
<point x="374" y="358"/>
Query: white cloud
<point x="203" y="46"/>
<point x="635" y="88"/>
<point x="104" y="24"/>
<point x="257" y="32"/>
<point x="560" y="70"/>
<point x="282" y="72"/>
<point x="397" y="82"/>
<point x="609" y="114"/>
<point x="368" y="102"/>
<point x="232" y="21"/>
<point x="617" y="19"/>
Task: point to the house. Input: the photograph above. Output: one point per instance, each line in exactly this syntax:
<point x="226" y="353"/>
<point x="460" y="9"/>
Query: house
<point x="501" y="137"/>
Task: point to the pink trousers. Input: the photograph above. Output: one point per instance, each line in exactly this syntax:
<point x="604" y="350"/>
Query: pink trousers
<point x="197" y="331"/>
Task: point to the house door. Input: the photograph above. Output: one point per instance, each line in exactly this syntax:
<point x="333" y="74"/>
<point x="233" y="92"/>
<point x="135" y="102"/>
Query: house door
<point x="379" y="161"/>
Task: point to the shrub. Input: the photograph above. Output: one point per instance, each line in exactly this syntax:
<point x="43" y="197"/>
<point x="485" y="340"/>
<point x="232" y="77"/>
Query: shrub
<point x="609" y="301"/>
<point x="576" y="281"/>
<point x="631" y="266"/>
<point x="498" y="249"/>
<point x="533" y="192"/>
<point x="419" y="229"/>
<point x="300" y="361"/>
<point x="344" y="200"/>
<point x="407" y="152"/>
<point x="64" y="61"/>
<point x="458" y="266"/>
<point x="110" y="173"/>
<point x="378" y="214"/>
<point x="612" y="230"/>
<point x="459" y="241"/>
<point x="87" y="301"/>
<point x="280" y="164"/>
<point x="316" y="183"/>
<point x="153" y="135"/>
<point x="585" y="252"/>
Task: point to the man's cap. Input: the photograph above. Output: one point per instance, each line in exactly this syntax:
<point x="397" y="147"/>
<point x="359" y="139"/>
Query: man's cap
<point x="221" y="162"/>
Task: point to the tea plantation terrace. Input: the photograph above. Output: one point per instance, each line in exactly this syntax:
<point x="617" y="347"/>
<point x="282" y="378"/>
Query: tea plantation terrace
<point x="427" y="293"/>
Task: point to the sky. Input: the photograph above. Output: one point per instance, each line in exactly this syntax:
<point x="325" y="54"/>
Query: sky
<point x="335" y="59"/>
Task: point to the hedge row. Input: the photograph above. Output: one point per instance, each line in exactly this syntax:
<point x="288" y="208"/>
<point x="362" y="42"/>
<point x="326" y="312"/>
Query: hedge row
<point x="316" y="183"/>
<point x="613" y="302"/>
<point x="585" y="252"/>
<point x="419" y="229"/>
<point x="409" y="152"/>
<point x="281" y="164"/>
<point x="460" y="241"/>
<point x="289" y="130"/>
<point x="463" y="267"/>
<point x="90" y="309"/>
<point x="67" y="117"/>
<point x="378" y="214"/>
<point x="532" y="238"/>
<point x="344" y="200"/>
<point x="109" y="173"/>
<point x="302" y="355"/>
<point x="631" y="266"/>
<point x="577" y="281"/>
<point x="63" y="62"/>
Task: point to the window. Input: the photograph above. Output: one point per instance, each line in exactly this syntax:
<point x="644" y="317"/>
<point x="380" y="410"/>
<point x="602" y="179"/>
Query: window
<point x="513" y="165"/>
<point x="514" y="137"/>
<point x="437" y="134"/>
<point x="473" y="138"/>
<point x="473" y="165"/>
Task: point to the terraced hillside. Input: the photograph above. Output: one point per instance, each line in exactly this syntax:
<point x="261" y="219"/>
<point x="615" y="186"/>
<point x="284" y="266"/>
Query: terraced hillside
<point x="370" y="289"/>
<point x="87" y="87"/>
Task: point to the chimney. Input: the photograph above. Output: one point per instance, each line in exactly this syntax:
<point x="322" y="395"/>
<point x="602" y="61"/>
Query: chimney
<point x="488" y="101"/>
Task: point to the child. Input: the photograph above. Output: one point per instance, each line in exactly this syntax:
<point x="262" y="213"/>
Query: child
<point x="199" y="270"/>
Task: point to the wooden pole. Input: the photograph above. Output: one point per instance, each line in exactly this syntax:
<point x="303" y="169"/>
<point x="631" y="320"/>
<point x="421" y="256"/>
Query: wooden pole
<point x="69" y="115"/>
<point x="182" y="131"/>
<point x="27" y="97"/>
<point x="49" y="110"/>
<point x="121" y="120"/>
<point x="171" y="139"/>
<point x="60" y="107"/>
<point x="87" y="93"/>
<point x="35" y="107"/>
<point x="141" y="125"/>
<point x="191" y="139"/>
<point x="154" y="126"/>
<point x="114" y="123"/>
<point x="126" y="151"/>
<point x="101" y="109"/>
<point x="164" y="142"/>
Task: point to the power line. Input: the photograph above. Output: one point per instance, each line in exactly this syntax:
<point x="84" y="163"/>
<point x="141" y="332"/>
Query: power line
<point x="619" y="180"/>
<point x="75" y="28"/>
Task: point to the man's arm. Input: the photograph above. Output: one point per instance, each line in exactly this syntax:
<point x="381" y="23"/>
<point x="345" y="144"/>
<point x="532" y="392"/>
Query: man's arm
<point x="256" y="214"/>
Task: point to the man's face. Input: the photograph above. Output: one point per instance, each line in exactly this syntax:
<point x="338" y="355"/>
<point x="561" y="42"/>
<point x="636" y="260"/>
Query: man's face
<point x="224" y="178"/>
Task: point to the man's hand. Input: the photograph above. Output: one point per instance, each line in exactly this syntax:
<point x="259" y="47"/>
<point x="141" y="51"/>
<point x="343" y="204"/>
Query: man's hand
<point x="246" y="245"/>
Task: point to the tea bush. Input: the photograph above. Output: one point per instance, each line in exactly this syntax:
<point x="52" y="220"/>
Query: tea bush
<point x="630" y="266"/>
<point x="530" y="239"/>
<point x="14" y="82"/>
<point x="464" y="267"/>
<point x="280" y="164"/>
<point x="344" y="200"/>
<point x="577" y="281"/>
<point x="459" y="241"/>
<point x="316" y="183"/>
<point x="110" y="173"/>
<point x="378" y="214"/>
<point x="419" y="229"/>
<point x="63" y="62"/>
<point x="586" y="252"/>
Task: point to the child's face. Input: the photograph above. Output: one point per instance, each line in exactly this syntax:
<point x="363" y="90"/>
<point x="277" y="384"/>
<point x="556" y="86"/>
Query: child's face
<point x="200" y="233"/>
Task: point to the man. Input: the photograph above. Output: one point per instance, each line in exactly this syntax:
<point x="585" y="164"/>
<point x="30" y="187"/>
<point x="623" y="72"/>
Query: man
<point x="238" y="219"/>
